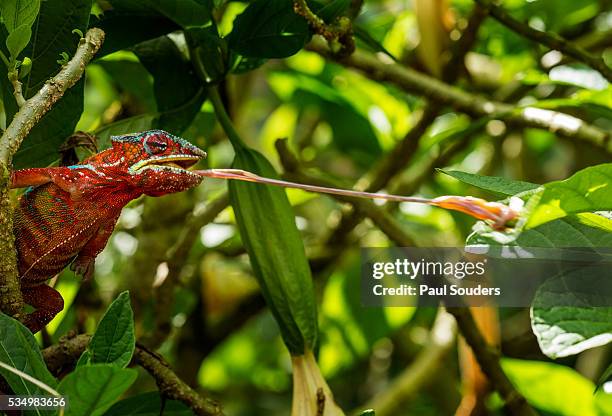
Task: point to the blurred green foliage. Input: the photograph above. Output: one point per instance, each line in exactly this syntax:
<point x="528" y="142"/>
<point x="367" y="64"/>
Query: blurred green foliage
<point x="155" y="69"/>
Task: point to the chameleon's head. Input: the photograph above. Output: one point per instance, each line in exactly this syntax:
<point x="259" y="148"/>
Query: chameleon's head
<point x="157" y="162"/>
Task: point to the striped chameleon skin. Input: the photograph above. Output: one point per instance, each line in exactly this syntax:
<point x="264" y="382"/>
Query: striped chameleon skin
<point x="67" y="214"/>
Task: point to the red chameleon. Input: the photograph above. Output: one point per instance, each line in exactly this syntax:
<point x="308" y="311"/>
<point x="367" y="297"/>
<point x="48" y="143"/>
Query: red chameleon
<point x="67" y="214"/>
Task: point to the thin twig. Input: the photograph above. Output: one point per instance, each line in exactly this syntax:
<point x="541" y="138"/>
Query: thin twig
<point x="339" y="34"/>
<point x="34" y="108"/>
<point x="488" y="359"/>
<point x="474" y="105"/>
<point x="17" y="90"/>
<point x="548" y="39"/>
<point x="68" y="351"/>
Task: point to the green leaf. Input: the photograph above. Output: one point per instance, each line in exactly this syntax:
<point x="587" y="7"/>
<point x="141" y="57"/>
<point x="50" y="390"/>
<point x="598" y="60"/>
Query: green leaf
<point x="492" y="184"/>
<point x="586" y="191"/>
<point x="148" y="404"/>
<point x="178" y="92"/>
<point x="589" y="231"/>
<point x="18" y="39"/>
<point x="19" y="349"/>
<point x="92" y="389"/>
<point x="276" y="251"/>
<point x="606" y="375"/>
<point x="332" y="10"/>
<point x="362" y="34"/>
<point x="269" y="29"/>
<point x="556" y="390"/>
<point x="132" y="78"/>
<point x="51" y="36"/>
<point x="208" y="54"/>
<point x="114" y="340"/>
<point x="16" y="13"/>
<point x="568" y="314"/>
<point x="121" y="33"/>
<point x="186" y="13"/>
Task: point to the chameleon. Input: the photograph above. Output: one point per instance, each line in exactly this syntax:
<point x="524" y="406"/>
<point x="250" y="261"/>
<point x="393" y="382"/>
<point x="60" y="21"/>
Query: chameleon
<point x="67" y="214"/>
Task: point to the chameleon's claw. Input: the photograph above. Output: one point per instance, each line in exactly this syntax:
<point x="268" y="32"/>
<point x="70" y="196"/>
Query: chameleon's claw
<point x="84" y="266"/>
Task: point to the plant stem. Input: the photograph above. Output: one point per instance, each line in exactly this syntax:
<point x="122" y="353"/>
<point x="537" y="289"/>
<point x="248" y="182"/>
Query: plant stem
<point x="4" y="59"/>
<point x="224" y="119"/>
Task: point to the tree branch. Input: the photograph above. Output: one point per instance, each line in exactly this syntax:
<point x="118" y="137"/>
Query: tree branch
<point x="30" y="112"/>
<point x="34" y="108"/>
<point x="338" y="34"/>
<point x="488" y="359"/>
<point x="68" y="351"/>
<point x="548" y="39"/>
<point x="474" y="105"/>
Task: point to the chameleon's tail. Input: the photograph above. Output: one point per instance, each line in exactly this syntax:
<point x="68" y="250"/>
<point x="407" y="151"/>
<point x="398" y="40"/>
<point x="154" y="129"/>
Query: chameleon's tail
<point x="496" y="213"/>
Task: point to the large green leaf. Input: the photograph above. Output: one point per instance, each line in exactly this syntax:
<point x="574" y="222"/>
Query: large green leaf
<point x="91" y="390"/>
<point x="16" y="13"/>
<point x="121" y="32"/>
<point x="267" y="227"/>
<point x="18" y="39"/>
<point x="148" y="404"/>
<point x="586" y="191"/>
<point x="18" y="17"/>
<point x="269" y="29"/>
<point x="494" y="184"/>
<point x="51" y="35"/>
<point x="132" y="78"/>
<point x="19" y="349"/>
<point x="589" y="231"/>
<point x="114" y="340"/>
<point x="569" y="313"/>
<point x="556" y="390"/>
<point x="178" y="91"/>
<point x="186" y="13"/>
<point x="605" y="376"/>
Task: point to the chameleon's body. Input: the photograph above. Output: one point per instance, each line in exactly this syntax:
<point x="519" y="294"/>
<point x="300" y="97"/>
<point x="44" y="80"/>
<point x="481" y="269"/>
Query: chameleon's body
<point x="68" y="213"/>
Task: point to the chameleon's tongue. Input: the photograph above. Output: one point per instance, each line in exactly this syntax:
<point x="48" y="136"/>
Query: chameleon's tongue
<point x="496" y="213"/>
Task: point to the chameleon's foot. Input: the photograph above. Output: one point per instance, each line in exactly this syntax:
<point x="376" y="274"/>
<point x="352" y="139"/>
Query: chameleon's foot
<point x="48" y="303"/>
<point x="84" y="266"/>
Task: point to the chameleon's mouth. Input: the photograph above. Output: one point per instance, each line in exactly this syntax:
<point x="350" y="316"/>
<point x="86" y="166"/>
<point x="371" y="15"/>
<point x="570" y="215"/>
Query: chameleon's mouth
<point x="174" y="162"/>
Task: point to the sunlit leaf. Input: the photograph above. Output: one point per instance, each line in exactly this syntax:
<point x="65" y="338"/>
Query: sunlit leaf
<point x="555" y="389"/>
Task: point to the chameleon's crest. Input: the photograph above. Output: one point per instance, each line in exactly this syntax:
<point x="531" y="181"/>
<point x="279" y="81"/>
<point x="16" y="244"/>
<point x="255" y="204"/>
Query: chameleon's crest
<point x="156" y="150"/>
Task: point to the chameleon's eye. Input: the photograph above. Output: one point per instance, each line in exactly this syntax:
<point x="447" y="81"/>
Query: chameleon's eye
<point x="156" y="147"/>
